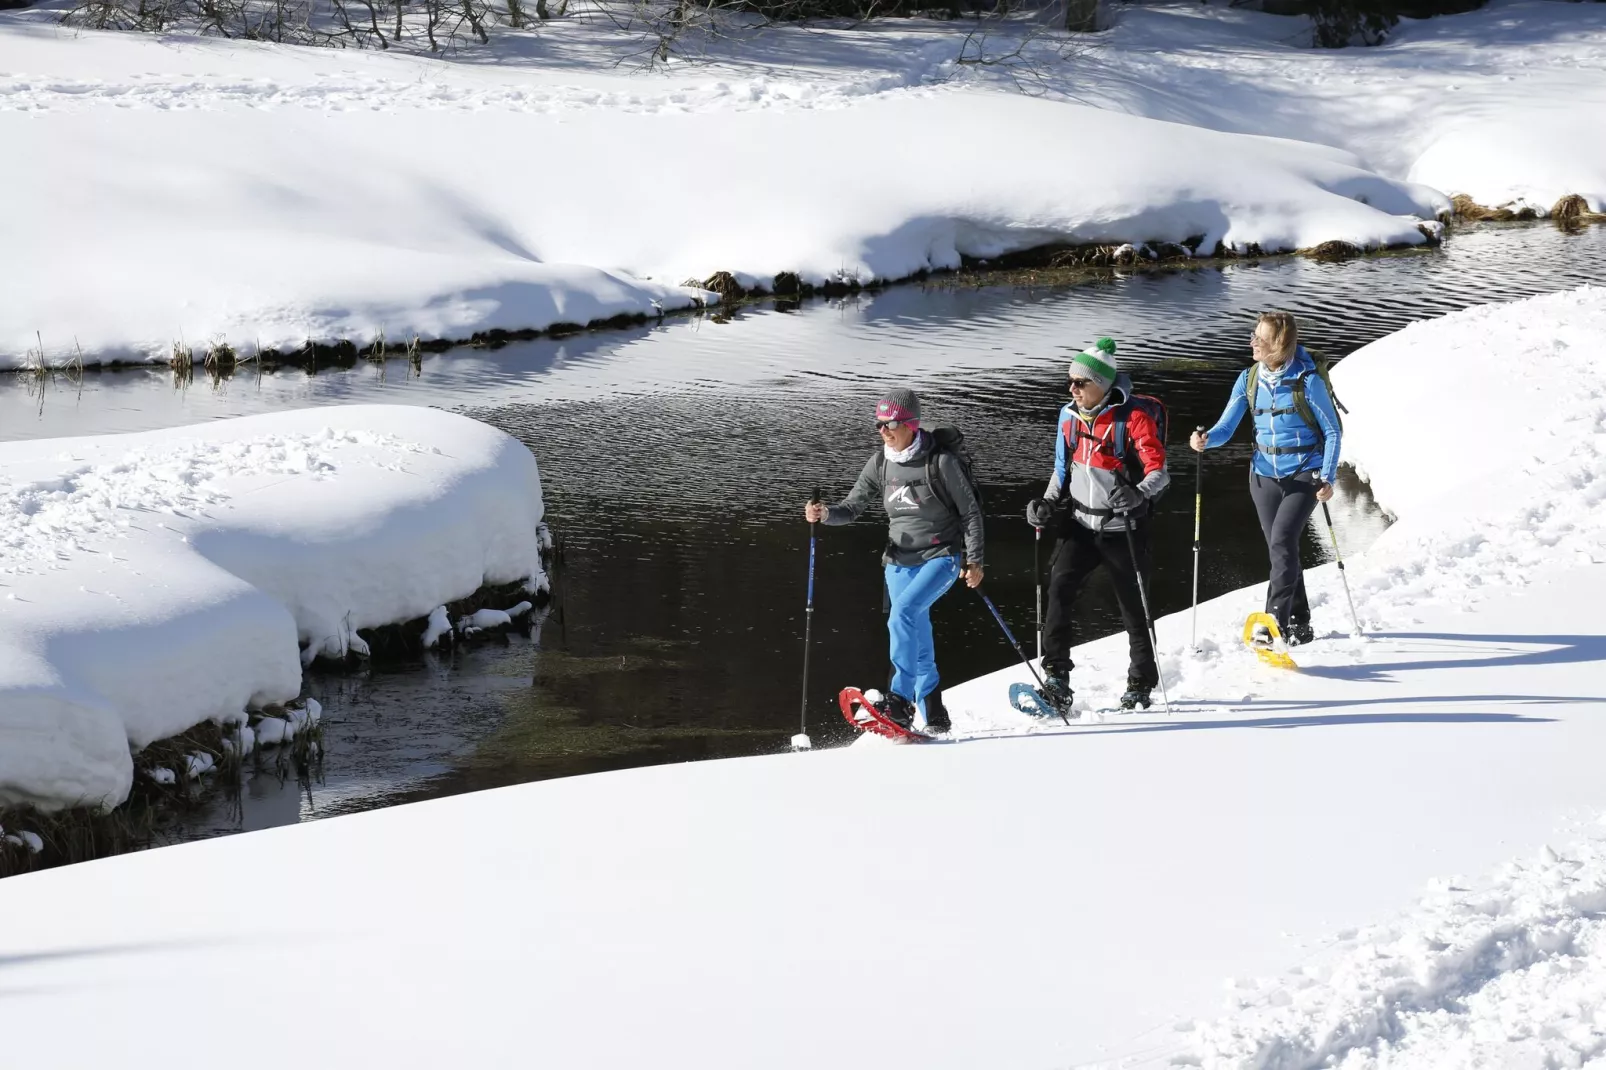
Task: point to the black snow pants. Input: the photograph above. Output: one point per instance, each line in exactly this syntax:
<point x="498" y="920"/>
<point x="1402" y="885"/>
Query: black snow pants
<point x="1285" y="506"/>
<point x="1078" y="552"/>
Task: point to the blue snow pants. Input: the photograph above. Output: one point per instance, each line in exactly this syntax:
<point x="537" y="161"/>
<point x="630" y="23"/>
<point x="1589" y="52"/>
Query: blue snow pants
<point x="912" y="592"/>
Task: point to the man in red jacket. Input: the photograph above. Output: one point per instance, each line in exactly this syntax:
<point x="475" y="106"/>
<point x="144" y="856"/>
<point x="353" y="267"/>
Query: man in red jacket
<point x="1109" y="466"/>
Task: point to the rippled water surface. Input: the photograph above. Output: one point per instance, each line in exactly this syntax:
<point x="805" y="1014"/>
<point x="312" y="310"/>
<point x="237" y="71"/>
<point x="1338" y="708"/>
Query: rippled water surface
<point x="676" y="459"/>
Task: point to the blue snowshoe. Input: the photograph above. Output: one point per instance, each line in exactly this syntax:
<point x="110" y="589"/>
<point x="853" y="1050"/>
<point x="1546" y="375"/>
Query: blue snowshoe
<point x="1052" y="700"/>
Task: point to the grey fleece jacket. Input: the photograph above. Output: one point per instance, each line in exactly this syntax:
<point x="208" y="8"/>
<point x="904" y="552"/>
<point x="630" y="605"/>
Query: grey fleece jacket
<point x="919" y="526"/>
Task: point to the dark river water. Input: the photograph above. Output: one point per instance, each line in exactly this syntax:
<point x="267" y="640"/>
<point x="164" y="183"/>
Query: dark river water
<point x="676" y="460"/>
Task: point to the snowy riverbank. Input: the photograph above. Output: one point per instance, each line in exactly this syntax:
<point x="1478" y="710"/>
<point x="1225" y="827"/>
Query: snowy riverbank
<point x="155" y="581"/>
<point x="1062" y="896"/>
<point x="345" y="195"/>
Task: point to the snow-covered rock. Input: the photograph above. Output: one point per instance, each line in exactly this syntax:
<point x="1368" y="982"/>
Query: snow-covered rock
<point x="31" y="840"/>
<point x="274" y="731"/>
<point x="482" y="619"/>
<point x="161" y="579"/>
<point x="440" y="624"/>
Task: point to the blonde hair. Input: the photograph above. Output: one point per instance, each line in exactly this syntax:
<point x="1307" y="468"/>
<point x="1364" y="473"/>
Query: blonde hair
<point x="1282" y="333"/>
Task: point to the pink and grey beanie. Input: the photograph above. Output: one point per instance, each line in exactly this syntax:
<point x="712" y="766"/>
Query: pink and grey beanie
<point x="899" y="403"/>
<point x="1096" y="362"/>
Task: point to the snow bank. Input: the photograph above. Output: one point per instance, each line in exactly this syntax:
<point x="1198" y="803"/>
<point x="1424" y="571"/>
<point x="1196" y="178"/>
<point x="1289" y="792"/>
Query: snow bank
<point x="538" y="182"/>
<point x="1522" y="160"/>
<point x="153" y="581"/>
<point x="1528" y="499"/>
<point x="1502" y="104"/>
<point x="530" y="206"/>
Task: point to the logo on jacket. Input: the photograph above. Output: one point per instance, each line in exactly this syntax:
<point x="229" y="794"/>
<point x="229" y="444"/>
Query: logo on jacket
<point x="904" y="498"/>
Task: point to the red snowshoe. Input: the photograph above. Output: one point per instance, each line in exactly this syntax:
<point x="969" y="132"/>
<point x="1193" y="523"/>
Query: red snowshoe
<point x="867" y="716"/>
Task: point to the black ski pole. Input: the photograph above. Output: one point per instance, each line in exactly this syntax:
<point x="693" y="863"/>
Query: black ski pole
<point x="1148" y="617"/>
<point x="1353" y="616"/>
<point x="1198" y="511"/>
<point x="1037" y="574"/>
<point x="801" y="741"/>
<point x="999" y="617"/>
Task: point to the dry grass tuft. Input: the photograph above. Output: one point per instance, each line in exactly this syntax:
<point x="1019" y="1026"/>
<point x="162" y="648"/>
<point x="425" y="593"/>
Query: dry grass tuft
<point x="182" y="361"/>
<point x="724" y="284"/>
<point x="1333" y="250"/>
<point x="1471" y="211"/>
<point x="1572" y="211"/>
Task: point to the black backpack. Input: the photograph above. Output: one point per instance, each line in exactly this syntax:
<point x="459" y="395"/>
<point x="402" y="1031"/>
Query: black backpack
<point x="945" y="440"/>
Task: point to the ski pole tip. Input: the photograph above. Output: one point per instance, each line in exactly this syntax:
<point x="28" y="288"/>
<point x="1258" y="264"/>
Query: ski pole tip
<point x="802" y="742"/>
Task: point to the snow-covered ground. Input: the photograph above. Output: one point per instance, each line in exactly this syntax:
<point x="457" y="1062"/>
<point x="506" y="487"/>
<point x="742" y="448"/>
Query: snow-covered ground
<point x="153" y="581"/>
<point x="1290" y="867"/>
<point x="266" y="195"/>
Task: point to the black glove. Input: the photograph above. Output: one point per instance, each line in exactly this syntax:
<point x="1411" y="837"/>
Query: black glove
<point x="1125" y="499"/>
<point x="1039" y="514"/>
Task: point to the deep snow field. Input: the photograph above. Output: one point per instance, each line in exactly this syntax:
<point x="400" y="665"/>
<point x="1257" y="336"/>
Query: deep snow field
<point x="265" y="196"/>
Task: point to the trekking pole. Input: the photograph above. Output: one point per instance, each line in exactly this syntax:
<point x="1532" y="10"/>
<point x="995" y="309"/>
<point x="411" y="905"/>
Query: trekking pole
<point x="1353" y="616"/>
<point x="1037" y="574"/>
<point x="1148" y="618"/>
<point x="1198" y="512"/>
<point x="801" y="741"/>
<point x="999" y="617"/>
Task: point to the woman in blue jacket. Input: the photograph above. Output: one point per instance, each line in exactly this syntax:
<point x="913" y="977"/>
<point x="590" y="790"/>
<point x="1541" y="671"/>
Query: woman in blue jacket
<point x="1297" y="441"/>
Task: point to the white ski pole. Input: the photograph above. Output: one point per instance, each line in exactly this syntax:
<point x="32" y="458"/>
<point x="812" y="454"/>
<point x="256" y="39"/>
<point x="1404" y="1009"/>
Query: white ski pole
<point x="1342" y="574"/>
<point x="1198" y="511"/>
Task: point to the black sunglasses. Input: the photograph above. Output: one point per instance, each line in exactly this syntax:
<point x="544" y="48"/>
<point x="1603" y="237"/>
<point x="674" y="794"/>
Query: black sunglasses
<point x="888" y="425"/>
<point x="1078" y="384"/>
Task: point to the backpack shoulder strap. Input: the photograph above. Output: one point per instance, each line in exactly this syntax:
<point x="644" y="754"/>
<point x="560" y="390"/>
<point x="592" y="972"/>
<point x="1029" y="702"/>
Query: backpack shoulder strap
<point x="1325" y="370"/>
<point x="1131" y="465"/>
<point x="1251" y="381"/>
<point x="934" y="477"/>
<point x="1302" y="405"/>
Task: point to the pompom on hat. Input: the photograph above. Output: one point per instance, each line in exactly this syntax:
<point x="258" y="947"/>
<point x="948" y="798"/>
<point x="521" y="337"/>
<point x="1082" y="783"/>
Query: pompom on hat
<point x="1097" y="362"/>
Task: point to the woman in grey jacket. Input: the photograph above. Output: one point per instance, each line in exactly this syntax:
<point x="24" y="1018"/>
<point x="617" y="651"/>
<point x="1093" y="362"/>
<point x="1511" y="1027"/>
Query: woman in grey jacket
<point x="924" y="537"/>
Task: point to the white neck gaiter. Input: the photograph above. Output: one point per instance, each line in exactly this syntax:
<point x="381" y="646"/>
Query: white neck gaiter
<point x="903" y="456"/>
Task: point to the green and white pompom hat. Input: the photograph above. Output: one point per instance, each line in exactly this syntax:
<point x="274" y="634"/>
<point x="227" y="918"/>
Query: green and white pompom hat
<point x="1096" y="362"/>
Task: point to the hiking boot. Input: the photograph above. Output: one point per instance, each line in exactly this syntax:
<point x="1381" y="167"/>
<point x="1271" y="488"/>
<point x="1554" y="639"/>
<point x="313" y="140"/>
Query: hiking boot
<point x="1299" y="634"/>
<point x="899" y="710"/>
<point x="937" y="722"/>
<point x="1057" y="690"/>
<point x="1136" y="695"/>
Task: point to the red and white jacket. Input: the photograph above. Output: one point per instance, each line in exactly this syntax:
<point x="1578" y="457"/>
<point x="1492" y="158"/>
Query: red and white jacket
<point x="1088" y="462"/>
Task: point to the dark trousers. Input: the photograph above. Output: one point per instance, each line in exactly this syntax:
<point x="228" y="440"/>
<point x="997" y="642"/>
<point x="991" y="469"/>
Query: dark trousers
<point x="1285" y="506"/>
<point x="1077" y="554"/>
